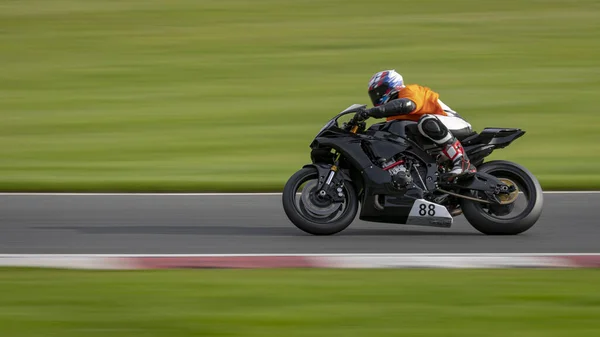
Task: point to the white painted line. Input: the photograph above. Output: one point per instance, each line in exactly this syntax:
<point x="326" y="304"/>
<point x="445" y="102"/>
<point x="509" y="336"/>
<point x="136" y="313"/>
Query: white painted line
<point x="139" y="194"/>
<point x="571" y="192"/>
<point x="201" y="194"/>
<point x="300" y="254"/>
<point x="354" y="261"/>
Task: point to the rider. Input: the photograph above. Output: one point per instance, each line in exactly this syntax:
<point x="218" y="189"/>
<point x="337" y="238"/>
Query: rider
<point x="394" y="100"/>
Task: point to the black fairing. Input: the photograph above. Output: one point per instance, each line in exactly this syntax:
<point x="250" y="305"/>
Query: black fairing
<point x="381" y="201"/>
<point x="480" y="145"/>
<point x="401" y="128"/>
<point x="409" y="129"/>
<point x="360" y="152"/>
<point x="498" y="137"/>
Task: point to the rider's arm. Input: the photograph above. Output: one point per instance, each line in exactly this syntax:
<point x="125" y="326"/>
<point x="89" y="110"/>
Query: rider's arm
<point x="400" y="106"/>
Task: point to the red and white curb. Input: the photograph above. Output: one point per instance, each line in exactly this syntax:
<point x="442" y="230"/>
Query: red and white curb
<point x="262" y="261"/>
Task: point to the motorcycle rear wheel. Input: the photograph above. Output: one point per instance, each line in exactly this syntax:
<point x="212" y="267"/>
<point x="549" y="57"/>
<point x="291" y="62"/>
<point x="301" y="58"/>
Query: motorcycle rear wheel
<point x="487" y="219"/>
<point x="311" y="216"/>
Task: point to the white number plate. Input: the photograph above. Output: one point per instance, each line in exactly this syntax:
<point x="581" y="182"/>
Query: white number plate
<point x="424" y="212"/>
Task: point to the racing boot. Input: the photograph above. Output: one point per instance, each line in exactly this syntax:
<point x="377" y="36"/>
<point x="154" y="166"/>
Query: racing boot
<point x="454" y="151"/>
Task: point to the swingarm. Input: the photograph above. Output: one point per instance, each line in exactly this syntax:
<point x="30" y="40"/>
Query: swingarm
<point x="496" y="191"/>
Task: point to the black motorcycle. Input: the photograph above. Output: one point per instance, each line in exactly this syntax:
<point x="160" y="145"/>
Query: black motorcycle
<point x="398" y="176"/>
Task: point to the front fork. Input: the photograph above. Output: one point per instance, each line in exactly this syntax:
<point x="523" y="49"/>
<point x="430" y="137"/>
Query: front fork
<point x="331" y="187"/>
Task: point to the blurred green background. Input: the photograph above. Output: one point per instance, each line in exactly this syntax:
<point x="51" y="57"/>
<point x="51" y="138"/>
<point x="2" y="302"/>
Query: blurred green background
<point x="300" y="303"/>
<point x="226" y="95"/>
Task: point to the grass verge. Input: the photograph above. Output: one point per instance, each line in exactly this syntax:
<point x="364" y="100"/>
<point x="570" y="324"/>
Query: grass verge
<point x="266" y="303"/>
<point x="226" y="95"/>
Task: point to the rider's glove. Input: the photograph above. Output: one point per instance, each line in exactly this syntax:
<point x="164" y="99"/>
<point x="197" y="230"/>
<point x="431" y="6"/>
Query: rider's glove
<point x="362" y="115"/>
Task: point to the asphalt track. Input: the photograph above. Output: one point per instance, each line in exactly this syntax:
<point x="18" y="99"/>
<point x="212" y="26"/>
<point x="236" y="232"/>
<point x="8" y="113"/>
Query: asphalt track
<point x="243" y="224"/>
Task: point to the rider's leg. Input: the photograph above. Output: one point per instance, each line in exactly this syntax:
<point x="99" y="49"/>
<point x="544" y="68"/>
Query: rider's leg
<point x="436" y="128"/>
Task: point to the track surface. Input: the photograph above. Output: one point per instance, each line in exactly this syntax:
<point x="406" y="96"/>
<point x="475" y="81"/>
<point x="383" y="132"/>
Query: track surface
<point x="146" y="224"/>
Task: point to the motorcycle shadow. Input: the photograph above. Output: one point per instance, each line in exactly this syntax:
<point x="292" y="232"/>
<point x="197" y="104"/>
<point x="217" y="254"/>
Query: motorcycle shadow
<point x="404" y="232"/>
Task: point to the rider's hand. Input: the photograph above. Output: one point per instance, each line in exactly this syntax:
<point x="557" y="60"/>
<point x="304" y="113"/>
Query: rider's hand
<point x="362" y="115"/>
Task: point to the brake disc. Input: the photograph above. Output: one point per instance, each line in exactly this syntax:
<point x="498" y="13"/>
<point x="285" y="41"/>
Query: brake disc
<point x="508" y="197"/>
<point x="310" y="205"/>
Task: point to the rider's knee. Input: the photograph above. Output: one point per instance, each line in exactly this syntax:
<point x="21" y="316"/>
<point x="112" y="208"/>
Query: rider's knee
<point x="431" y="127"/>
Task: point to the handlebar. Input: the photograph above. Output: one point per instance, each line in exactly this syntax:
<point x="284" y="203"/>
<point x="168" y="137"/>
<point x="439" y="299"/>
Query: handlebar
<point x="356" y="123"/>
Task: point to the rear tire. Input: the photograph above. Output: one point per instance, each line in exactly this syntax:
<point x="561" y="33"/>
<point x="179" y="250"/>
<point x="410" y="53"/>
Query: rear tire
<point x="491" y="225"/>
<point x="300" y="216"/>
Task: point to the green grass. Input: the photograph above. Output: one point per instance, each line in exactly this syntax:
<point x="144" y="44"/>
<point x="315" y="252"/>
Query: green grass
<point x="227" y="94"/>
<point x="264" y="303"/>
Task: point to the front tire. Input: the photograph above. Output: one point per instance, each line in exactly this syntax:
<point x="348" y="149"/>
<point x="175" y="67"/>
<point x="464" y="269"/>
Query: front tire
<point x="313" y="218"/>
<point x="486" y="222"/>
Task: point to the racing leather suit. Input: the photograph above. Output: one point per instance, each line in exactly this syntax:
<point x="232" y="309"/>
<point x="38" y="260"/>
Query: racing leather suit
<point x="435" y="121"/>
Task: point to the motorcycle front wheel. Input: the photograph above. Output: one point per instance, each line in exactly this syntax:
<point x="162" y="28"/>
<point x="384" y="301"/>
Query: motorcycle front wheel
<point x="311" y="214"/>
<point x="514" y="218"/>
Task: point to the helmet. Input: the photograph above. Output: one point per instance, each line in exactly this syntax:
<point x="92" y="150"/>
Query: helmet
<point x="383" y="85"/>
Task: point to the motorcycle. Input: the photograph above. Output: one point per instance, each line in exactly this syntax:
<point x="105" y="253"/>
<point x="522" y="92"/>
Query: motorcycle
<point x="396" y="176"/>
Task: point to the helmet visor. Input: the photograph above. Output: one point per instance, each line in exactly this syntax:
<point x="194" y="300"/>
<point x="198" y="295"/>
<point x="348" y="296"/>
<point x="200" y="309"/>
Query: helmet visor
<point x="379" y="95"/>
